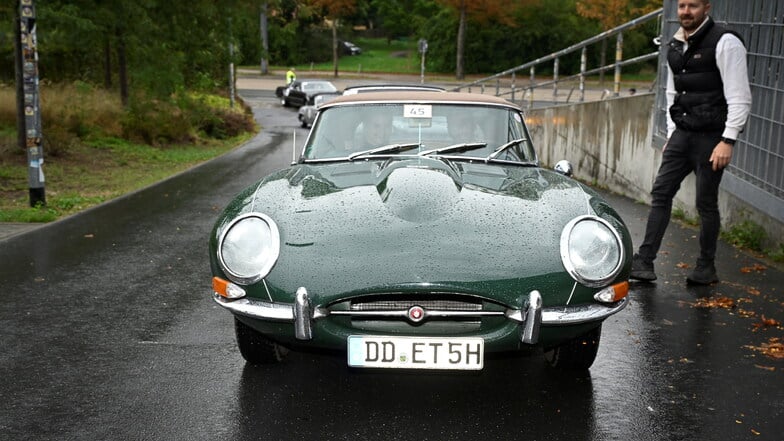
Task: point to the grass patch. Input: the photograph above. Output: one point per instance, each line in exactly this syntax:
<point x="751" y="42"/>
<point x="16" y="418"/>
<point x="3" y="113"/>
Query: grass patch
<point x="377" y="55"/>
<point x="745" y="234"/>
<point x="91" y="174"/>
<point x="96" y="150"/>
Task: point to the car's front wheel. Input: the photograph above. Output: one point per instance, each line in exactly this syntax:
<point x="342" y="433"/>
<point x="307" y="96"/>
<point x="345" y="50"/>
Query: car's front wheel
<point x="577" y="354"/>
<point x="255" y="347"/>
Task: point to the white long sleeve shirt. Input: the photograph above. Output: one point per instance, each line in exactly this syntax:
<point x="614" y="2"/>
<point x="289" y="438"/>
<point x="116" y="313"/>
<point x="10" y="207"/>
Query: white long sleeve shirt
<point x="731" y="61"/>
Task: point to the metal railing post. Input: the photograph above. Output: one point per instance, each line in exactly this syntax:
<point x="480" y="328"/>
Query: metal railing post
<point x="533" y="84"/>
<point x="618" y="59"/>
<point x="583" y="64"/>
<point x="513" y="86"/>
<point x="555" y="79"/>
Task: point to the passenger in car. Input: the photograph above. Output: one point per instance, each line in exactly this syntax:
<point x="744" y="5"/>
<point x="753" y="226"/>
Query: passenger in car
<point x="463" y="128"/>
<point x="376" y="130"/>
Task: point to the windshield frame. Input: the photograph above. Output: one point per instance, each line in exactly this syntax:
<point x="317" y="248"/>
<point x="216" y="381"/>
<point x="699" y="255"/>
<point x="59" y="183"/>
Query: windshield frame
<point x="525" y="154"/>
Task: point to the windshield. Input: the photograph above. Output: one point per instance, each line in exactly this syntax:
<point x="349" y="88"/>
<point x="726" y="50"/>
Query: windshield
<point x="447" y="130"/>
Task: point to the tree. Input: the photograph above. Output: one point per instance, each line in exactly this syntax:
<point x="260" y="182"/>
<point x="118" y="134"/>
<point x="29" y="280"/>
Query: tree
<point x="613" y="13"/>
<point x="481" y="11"/>
<point x="335" y="10"/>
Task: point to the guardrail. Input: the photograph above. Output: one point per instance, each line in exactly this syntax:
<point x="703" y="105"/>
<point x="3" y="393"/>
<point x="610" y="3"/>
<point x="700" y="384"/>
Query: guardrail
<point x="510" y="87"/>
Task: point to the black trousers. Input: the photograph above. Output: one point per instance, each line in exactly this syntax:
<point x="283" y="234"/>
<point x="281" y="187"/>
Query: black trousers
<point x="686" y="152"/>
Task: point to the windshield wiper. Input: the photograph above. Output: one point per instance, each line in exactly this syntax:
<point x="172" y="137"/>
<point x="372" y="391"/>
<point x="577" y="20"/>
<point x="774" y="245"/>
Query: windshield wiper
<point x="503" y="147"/>
<point x="389" y="148"/>
<point x="459" y="148"/>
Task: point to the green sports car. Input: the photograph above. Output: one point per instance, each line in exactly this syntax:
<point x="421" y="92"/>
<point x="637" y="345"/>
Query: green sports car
<point x="418" y="231"/>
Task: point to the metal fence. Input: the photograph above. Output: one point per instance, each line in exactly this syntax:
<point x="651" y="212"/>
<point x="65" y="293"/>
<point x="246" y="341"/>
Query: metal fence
<point x="511" y="83"/>
<point x="756" y="174"/>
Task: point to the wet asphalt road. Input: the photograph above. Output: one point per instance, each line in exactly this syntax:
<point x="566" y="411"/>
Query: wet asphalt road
<point x="109" y="333"/>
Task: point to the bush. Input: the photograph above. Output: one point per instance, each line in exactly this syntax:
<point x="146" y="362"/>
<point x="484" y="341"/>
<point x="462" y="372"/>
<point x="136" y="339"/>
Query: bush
<point x="155" y="122"/>
<point x="746" y="234"/>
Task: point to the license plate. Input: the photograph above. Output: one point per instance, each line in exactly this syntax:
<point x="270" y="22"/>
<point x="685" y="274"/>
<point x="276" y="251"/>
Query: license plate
<point x="416" y="352"/>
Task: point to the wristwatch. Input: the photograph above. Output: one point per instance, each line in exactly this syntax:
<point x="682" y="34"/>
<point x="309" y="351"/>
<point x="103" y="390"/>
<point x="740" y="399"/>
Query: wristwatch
<point x="728" y="140"/>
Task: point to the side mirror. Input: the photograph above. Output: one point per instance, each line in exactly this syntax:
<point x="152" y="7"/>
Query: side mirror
<point x="564" y="167"/>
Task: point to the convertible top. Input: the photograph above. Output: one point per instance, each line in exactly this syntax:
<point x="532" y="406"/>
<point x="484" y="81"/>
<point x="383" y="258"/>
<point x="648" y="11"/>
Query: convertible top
<point x="420" y="97"/>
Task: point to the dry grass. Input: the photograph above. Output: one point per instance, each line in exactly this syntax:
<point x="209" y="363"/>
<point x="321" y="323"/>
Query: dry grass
<point x="89" y="158"/>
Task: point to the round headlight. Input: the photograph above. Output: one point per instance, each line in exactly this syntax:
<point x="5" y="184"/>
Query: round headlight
<point x="249" y="247"/>
<point x="591" y="250"/>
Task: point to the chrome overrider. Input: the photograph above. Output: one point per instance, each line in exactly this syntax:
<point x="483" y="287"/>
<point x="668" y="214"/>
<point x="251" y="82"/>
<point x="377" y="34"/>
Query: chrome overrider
<point x="531" y="315"/>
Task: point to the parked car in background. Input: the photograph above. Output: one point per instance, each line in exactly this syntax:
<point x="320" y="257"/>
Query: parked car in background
<point x="391" y="88"/>
<point x="418" y="231"/>
<point x="299" y="91"/>
<point x="349" y="48"/>
<point x="307" y="113"/>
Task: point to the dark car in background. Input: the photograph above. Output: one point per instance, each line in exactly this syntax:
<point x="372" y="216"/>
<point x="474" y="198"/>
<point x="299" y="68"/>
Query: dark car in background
<point x="349" y="48"/>
<point x="299" y="91"/>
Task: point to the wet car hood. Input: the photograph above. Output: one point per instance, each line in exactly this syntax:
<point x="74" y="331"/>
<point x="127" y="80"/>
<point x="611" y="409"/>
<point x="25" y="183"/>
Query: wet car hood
<point x="376" y="226"/>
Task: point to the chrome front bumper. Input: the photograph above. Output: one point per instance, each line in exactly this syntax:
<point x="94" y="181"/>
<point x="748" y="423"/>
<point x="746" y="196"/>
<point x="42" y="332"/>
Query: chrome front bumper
<point x="531" y="316"/>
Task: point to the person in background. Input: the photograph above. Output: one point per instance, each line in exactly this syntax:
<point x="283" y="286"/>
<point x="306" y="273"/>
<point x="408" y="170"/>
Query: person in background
<point x="709" y="100"/>
<point x="290" y="76"/>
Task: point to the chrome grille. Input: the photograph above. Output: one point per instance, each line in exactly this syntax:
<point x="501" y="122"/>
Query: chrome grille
<point x="405" y="304"/>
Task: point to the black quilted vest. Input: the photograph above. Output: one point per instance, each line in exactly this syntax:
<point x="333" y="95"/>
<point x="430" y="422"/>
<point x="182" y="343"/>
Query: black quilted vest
<point x="699" y="103"/>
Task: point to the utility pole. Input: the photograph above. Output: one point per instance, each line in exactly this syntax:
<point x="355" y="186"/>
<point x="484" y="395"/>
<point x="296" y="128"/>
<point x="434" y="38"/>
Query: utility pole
<point x="27" y="100"/>
<point x="422" y="46"/>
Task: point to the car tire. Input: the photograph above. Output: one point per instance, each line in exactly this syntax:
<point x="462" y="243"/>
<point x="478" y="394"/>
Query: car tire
<point x="255" y="347"/>
<point x="283" y="102"/>
<point x="576" y="354"/>
<point x="304" y="124"/>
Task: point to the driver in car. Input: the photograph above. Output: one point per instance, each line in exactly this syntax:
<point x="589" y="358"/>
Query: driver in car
<point x="376" y="130"/>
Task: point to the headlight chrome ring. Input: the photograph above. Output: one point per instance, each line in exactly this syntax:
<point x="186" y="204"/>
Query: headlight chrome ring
<point x="591" y="251"/>
<point x="248" y="248"/>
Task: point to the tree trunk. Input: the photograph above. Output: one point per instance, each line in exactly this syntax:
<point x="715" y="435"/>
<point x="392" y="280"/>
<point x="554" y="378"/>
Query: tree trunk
<point x="335" y="45"/>
<point x="264" y="39"/>
<point x="107" y="63"/>
<point x="122" y="66"/>
<point x="461" y="30"/>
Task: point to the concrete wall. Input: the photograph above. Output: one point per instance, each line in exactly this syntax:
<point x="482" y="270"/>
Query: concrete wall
<point x="609" y="144"/>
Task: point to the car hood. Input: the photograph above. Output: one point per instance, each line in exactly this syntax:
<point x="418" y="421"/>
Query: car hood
<point x="381" y="226"/>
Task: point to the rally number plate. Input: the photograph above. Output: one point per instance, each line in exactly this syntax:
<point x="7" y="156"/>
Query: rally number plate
<point x="416" y="352"/>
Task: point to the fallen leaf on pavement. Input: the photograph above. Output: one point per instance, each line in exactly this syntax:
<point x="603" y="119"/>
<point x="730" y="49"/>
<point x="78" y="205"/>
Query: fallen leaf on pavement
<point x="682" y="265"/>
<point x="718" y="302"/>
<point x="772" y="349"/>
<point x="756" y="267"/>
<point x="767" y="322"/>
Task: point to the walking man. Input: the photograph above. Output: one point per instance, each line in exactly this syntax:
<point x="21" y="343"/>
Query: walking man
<point x="709" y="99"/>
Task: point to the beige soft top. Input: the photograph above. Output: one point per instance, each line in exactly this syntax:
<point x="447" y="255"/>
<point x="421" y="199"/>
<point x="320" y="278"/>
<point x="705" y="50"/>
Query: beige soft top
<point x="419" y="97"/>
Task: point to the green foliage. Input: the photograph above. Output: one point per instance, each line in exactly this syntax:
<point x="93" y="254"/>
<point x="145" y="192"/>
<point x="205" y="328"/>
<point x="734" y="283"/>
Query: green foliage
<point x="777" y="255"/>
<point x="32" y="214"/>
<point x="745" y="234"/>
<point x="378" y="55"/>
